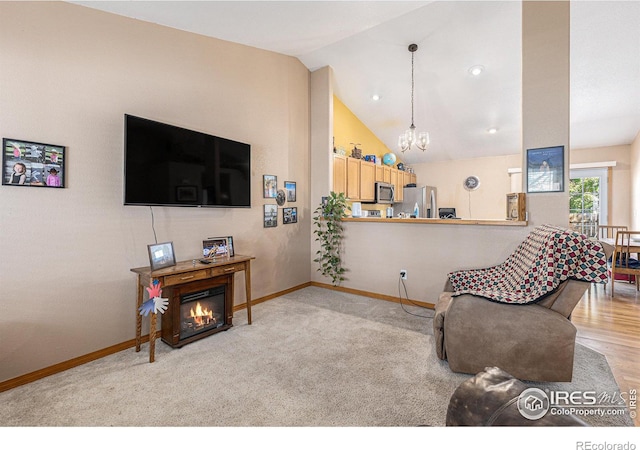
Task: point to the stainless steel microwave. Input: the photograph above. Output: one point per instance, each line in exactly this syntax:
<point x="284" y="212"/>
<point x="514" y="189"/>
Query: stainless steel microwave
<point x="384" y="193"/>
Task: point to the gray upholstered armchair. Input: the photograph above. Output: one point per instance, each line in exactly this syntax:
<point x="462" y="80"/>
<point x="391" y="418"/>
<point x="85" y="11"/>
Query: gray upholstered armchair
<point x="476" y="326"/>
<point x="531" y="342"/>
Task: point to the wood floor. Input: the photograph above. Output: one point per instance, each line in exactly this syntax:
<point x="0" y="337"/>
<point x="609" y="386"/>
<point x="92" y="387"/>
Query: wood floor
<point x="611" y="326"/>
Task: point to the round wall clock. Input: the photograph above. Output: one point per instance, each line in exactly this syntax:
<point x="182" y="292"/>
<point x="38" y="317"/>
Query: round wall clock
<point x="281" y="197"/>
<point x="471" y="183"/>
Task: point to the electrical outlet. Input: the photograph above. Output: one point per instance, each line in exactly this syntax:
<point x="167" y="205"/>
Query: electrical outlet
<point x="403" y="274"/>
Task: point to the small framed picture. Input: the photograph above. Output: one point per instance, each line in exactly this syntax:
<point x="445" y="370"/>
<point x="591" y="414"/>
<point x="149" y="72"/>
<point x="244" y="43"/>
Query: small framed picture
<point x="33" y="164"/>
<point x="290" y="187"/>
<point x="161" y="255"/>
<point x="545" y="169"/>
<point x="269" y="186"/>
<point x="270" y="216"/>
<point x="289" y="215"/>
<point x="215" y="247"/>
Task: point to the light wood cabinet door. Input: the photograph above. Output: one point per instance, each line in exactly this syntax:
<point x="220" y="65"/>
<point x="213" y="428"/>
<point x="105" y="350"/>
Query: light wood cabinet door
<point x="353" y="179"/>
<point x="387" y="174"/>
<point x="379" y="173"/>
<point x="394" y="176"/>
<point x="367" y="181"/>
<point x="339" y="174"/>
<point x="406" y="178"/>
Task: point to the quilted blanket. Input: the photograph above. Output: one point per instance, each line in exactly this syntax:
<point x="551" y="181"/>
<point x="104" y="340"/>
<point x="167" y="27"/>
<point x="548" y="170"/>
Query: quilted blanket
<point x="546" y="258"/>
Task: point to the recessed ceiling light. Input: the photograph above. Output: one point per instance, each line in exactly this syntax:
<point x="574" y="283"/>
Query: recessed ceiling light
<point x="375" y="97"/>
<point x="476" y="70"/>
<point x="492" y="130"/>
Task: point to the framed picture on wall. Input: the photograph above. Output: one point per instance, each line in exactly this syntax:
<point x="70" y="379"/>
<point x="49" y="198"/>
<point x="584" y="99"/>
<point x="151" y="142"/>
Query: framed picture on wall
<point x="161" y="255"/>
<point x="290" y="187"/>
<point x="545" y="169"/>
<point x="270" y="216"/>
<point x="269" y="186"/>
<point x="289" y="215"/>
<point x="28" y="163"/>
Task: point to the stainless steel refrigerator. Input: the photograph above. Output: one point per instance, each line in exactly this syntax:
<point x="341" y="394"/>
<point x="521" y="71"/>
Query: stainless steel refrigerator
<point x="425" y="196"/>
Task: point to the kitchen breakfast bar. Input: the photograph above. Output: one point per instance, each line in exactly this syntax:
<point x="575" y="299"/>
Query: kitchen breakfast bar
<point x="376" y="249"/>
<point x="501" y="223"/>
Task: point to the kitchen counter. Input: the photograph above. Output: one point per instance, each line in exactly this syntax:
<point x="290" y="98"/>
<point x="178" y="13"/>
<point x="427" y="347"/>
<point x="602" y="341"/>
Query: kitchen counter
<point x="505" y="223"/>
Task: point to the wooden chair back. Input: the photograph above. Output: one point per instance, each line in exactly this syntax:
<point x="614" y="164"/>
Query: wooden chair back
<point x="625" y="258"/>
<point x="609" y="231"/>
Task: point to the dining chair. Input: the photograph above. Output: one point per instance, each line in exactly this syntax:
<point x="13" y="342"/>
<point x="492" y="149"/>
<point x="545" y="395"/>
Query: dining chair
<point x="627" y="244"/>
<point x="609" y="231"/>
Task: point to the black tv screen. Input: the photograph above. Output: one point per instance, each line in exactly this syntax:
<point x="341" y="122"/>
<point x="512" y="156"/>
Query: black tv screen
<point x="166" y="165"/>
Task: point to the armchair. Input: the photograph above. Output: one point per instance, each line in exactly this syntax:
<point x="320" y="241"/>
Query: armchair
<point x="518" y="322"/>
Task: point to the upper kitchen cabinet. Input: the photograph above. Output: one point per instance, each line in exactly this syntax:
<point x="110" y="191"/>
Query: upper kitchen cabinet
<point x="340" y="174"/>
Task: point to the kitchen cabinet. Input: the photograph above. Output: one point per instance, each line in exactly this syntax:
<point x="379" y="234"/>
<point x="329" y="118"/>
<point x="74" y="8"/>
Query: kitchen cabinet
<point x="367" y="181"/>
<point x="340" y="174"/>
<point x="383" y="174"/>
<point x="353" y="178"/>
<point x="356" y="178"/>
<point x="407" y="178"/>
<point x="395" y="178"/>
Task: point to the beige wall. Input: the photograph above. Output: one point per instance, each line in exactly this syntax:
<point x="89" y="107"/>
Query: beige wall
<point x="486" y="202"/>
<point x="68" y="74"/>
<point x="489" y="200"/>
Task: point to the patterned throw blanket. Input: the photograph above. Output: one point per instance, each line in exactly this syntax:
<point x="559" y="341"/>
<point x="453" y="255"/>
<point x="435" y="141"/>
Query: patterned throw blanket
<point x="549" y="256"/>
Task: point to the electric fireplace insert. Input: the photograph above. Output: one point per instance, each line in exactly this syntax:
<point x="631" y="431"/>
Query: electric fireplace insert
<point x="197" y="310"/>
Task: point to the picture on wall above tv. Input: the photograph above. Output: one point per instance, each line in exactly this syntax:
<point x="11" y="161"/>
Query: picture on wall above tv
<point x="166" y="165"/>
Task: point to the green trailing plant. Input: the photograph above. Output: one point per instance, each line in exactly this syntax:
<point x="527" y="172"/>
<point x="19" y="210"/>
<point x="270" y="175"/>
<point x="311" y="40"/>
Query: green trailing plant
<point x="327" y="220"/>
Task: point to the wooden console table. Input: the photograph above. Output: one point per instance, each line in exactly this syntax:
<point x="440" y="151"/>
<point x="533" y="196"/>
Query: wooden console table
<point x="182" y="273"/>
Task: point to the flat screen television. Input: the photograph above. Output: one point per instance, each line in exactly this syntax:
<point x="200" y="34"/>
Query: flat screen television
<point x="166" y="165"/>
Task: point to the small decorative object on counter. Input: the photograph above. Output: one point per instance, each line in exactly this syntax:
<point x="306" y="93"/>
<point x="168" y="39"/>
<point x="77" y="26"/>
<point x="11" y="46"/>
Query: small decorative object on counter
<point x="416" y="210"/>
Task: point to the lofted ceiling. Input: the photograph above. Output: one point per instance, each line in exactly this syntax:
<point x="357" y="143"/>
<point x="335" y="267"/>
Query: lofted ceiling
<point x="366" y="44"/>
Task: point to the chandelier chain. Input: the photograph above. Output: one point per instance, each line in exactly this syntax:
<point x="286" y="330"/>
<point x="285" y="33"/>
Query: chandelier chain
<point x="412" y="90"/>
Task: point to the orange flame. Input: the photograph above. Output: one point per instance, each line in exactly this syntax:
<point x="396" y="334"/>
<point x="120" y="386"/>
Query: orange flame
<point x="200" y="315"/>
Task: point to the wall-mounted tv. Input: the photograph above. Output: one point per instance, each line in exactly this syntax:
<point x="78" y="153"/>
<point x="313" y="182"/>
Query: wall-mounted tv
<point x="166" y="165"/>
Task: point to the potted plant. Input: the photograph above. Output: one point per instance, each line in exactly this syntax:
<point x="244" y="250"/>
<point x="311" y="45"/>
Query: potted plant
<point x="327" y="221"/>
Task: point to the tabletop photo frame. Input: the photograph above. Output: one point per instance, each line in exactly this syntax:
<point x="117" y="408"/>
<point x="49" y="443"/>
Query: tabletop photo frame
<point x="215" y="247"/>
<point x="161" y="255"/>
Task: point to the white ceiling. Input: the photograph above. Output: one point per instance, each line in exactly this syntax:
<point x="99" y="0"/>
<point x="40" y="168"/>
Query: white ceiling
<point x="365" y="42"/>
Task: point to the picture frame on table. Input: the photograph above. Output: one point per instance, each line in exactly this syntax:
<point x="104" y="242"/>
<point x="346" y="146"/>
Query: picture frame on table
<point x="290" y="188"/>
<point x="161" y="255"/>
<point x="516" y="206"/>
<point x="218" y="240"/>
<point x="26" y="163"/>
<point x="545" y="169"/>
<point x="215" y="247"/>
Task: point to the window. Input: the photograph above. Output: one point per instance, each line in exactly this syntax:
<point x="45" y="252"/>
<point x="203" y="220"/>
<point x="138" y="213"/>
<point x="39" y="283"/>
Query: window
<point x="588" y="200"/>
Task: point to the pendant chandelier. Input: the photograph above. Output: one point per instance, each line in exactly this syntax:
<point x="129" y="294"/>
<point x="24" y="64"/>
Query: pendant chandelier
<point x="409" y="138"/>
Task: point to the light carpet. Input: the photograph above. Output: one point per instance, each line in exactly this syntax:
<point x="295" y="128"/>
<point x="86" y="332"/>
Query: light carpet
<point x="314" y="357"/>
